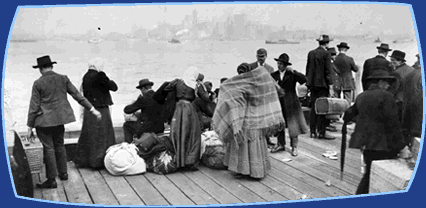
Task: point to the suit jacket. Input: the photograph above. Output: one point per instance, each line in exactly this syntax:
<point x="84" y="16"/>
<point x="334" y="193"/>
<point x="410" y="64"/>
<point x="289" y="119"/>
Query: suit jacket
<point x="378" y="126"/>
<point x="413" y="105"/>
<point x="335" y="76"/>
<point x="369" y="64"/>
<point x="318" y="68"/>
<point x="96" y="87"/>
<point x="346" y="65"/>
<point x="151" y="110"/>
<point x="49" y="105"/>
<point x="401" y="72"/>
<point x="269" y="68"/>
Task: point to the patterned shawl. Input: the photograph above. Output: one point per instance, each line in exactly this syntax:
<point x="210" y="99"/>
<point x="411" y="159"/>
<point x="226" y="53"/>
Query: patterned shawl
<point x="248" y="107"/>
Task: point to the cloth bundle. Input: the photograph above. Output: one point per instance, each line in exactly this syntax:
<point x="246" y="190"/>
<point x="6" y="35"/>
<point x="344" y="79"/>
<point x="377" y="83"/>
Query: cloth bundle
<point x="122" y="159"/>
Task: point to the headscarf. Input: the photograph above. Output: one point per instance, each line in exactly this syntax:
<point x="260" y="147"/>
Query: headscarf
<point x="190" y="77"/>
<point x="96" y="64"/>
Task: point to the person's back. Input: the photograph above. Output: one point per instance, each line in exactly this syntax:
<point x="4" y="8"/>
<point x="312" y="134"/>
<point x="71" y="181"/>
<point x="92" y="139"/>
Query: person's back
<point x="318" y="68"/>
<point x="371" y="63"/>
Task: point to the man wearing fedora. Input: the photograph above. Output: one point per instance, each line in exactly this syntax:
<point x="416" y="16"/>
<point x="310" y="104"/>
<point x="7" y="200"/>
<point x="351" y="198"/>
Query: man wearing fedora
<point x="401" y="71"/>
<point x="319" y="83"/>
<point x="261" y="55"/>
<point x="48" y="112"/>
<point x="287" y="78"/>
<point x="346" y="66"/>
<point x="378" y="61"/>
<point x="150" y="120"/>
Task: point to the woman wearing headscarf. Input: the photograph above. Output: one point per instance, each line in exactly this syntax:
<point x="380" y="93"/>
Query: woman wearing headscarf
<point x="96" y="135"/>
<point x="185" y="128"/>
<point x="247" y="113"/>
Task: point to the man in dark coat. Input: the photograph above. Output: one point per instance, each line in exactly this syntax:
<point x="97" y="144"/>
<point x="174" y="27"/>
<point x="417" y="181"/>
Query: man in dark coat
<point x="261" y="56"/>
<point x="378" y="130"/>
<point x="150" y="119"/>
<point x="48" y="112"/>
<point x="377" y="61"/>
<point x="287" y="78"/>
<point x="346" y="66"/>
<point x="319" y="82"/>
<point x="417" y="64"/>
<point x="335" y="73"/>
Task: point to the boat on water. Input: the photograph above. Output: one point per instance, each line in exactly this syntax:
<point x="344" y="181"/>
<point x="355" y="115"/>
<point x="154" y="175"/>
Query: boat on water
<point x="378" y="40"/>
<point x="173" y="40"/>
<point x="95" y="41"/>
<point x="282" y="41"/>
<point x="402" y="40"/>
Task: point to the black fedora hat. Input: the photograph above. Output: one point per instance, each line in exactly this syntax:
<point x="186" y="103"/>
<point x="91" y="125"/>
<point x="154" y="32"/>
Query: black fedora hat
<point x="284" y="58"/>
<point x="343" y="45"/>
<point x="332" y="51"/>
<point x="143" y="83"/>
<point x="384" y="46"/>
<point x="324" y="38"/>
<point x="397" y="54"/>
<point x="380" y="73"/>
<point x="44" y="61"/>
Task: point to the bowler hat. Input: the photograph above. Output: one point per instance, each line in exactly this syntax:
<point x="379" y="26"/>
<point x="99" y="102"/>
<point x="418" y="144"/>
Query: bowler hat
<point x="398" y="55"/>
<point x="261" y="52"/>
<point x="284" y="58"/>
<point x="384" y="46"/>
<point x="343" y="45"/>
<point x="44" y="61"/>
<point x="332" y="51"/>
<point x="380" y="73"/>
<point x="324" y="38"/>
<point x="143" y="83"/>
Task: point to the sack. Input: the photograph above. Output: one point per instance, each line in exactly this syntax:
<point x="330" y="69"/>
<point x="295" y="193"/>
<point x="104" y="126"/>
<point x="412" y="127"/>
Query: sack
<point x="213" y="157"/>
<point x="122" y="159"/>
<point x="162" y="163"/>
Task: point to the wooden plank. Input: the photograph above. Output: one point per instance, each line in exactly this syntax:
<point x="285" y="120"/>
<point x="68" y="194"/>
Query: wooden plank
<point x="57" y="194"/>
<point x="308" y="167"/>
<point x="191" y="189"/>
<point x="37" y="192"/>
<point x="265" y="192"/>
<point x="394" y="173"/>
<point x="285" y="190"/>
<point x="97" y="187"/>
<point x="211" y="187"/>
<point x="121" y="189"/>
<point x="307" y="178"/>
<point x="170" y="192"/>
<point x="74" y="187"/>
<point x="145" y="190"/>
<point x="304" y="188"/>
<point x="230" y="183"/>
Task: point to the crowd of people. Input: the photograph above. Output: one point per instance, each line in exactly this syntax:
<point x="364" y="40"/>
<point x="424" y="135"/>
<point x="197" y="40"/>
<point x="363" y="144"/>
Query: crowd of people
<point x="245" y="111"/>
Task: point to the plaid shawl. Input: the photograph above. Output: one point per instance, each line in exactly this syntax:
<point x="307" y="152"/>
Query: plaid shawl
<point x="248" y="107"/>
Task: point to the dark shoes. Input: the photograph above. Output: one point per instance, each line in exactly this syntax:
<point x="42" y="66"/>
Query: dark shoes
<point x="294" y="152"/>
<point x="325" y="137"/>
<point x="278" y="148"/>
<point x="50" y="183"/>
<point x="63" y="176"/>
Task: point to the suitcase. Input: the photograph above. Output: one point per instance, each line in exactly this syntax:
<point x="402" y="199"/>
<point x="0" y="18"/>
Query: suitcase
<point x="331" y="106"/>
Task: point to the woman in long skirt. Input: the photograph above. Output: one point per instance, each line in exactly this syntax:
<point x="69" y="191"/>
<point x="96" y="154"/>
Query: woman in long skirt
<point x="96" y="135"/>
<point x="185" y="129"/>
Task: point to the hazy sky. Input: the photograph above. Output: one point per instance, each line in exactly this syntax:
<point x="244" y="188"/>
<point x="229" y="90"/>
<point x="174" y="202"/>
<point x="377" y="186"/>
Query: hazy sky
<point x="337" y="18"/>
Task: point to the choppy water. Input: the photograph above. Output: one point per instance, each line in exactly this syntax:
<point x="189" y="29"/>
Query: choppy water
<point x="132" y="60"/>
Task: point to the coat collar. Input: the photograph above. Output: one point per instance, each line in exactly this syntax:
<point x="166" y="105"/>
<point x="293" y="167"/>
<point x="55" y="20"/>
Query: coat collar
<point x="48" y="73"/>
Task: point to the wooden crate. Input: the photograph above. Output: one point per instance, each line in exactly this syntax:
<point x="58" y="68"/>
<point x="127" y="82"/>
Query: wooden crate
<point x="389" y="175"/>
<point x="34" y="154"/>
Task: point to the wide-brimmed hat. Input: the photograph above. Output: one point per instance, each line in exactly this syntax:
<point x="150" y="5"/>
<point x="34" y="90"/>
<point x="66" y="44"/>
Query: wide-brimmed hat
<point x="324" y="38"/>
<point x="384" y="46"/>
<point x="261" y="52"/>
<point x="332" y="51"/>
<point x="143" y="83"/>
<point x="397" y="54"/>
<point x="343" y="45"/>
<point x="44" y="61"/>
<point x="284" y="58"/>
<point x="380" y="73"/>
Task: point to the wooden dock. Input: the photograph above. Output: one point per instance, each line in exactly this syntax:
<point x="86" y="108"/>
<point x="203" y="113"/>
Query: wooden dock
<point x="309" y="175"/>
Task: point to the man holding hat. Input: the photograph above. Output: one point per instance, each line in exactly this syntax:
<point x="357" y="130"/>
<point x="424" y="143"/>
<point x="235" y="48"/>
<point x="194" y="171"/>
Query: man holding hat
<point x="49" y="111"/>
<point x="377" y="61"/>
<point x="287" y="78"/>
<point x="319" y="82"/>
<point x="346" y="65"/>
<point x="261" y="56"/>
<point x="150" y="119"/>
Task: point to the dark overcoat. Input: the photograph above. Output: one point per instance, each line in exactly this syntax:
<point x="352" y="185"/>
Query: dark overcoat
<point x="371" y="63"/>
<point x="335" y="76"/>
<point x="346" y="65"/>
<point x="377" y="126"/>
<point x="413" y="105"/>
<point x="290" y="105"/>
<point x="318" y="68"/>
<point x="97" y="87"/>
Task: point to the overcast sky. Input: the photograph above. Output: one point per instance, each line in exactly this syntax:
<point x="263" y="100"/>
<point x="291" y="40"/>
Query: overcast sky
<point x="337" y="18"/>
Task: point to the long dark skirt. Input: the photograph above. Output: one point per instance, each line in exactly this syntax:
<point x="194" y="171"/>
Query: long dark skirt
<point x="95" y="138"/>
<point x="293" y="115"/>
<point x="185" y="134"/>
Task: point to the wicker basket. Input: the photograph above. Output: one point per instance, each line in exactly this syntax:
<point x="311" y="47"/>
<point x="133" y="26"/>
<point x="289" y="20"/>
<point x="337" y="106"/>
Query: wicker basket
<point x="35" y="156"/>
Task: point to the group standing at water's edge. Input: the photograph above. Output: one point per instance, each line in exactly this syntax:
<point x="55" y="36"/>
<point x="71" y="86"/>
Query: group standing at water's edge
<point x="245" y="111"/>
